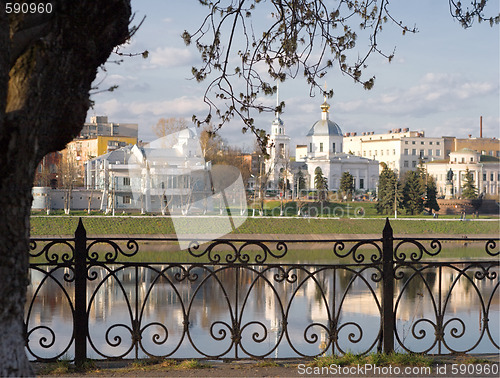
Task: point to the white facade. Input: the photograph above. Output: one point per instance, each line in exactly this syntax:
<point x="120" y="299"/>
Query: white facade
<point x="485" y="171"/>
<point x="278" y="164"/>
<point x="401" y="151"/>
<point x="325" y="144"/>
<point x="170" y="171"/>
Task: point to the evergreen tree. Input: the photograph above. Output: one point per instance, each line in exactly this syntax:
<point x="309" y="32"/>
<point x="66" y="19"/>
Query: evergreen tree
<point x="431" y="195"/>
<point x="347" y="184"/>
<point x="414" y="192"/>
<point x="388" y="189"/>
<point x="320" y="183"/>
<point x="469" y="190"/>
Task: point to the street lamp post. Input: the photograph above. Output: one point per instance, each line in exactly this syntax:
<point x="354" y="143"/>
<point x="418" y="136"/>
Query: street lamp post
<point x="396" y="199"/>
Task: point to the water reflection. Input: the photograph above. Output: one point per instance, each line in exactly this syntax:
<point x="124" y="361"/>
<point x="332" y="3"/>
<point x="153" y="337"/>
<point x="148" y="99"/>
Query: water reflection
<point x="196" y="310"/>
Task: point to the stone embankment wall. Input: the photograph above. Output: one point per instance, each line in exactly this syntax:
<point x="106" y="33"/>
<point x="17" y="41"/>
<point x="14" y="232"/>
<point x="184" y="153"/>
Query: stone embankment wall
<point x="456" y="206"/>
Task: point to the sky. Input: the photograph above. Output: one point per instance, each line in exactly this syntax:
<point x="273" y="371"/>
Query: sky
<point x="441" y="80"/>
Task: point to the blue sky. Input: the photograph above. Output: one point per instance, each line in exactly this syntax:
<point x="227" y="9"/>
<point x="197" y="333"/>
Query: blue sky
<point x="441" y="81"/>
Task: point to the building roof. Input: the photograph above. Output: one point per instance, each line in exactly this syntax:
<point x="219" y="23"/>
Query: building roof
<point x="325" y="128"/>
<point x="488" y="159"/>
<point x="278" y="121"/>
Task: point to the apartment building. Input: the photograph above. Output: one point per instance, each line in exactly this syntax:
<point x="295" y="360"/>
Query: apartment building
<point x="400" y="149"/>
<point x="99" y="125"/>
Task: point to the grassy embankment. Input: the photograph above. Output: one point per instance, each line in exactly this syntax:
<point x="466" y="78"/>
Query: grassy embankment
<point x="329" y="228"/>
<point x="55" y="225"/>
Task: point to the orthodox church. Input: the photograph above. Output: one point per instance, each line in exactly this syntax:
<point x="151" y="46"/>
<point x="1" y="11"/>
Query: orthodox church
<point x="324" y="149"/>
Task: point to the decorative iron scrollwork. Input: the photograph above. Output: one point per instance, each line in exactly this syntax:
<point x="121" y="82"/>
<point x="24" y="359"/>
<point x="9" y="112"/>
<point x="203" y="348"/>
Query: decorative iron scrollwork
<point x="234" y="254"/>
<point x="111" y="257"/>
<point x="242" y="278"/>
<point x="400" y="256"/>
<point x="357" y="255"/>
<point x="57" y="256"/>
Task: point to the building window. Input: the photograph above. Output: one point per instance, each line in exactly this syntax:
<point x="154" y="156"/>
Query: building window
<point x="414" y="164"/>
<point x="414" y="152"/>
<point x="438" y="152"/>
<point x="491" y="153"/>
<point x="375" y="152"/>
<point x="406" y="151"/>
<point x="405" y="164"/>
<point x="310" y="147"/>
<point x="421" y="154"/>
<point x="370" y="153"/>
<point x="333" y="147"/>
<point x="361" y="183"/>
<point x="421" y="142"/>
<point x="484" y="177"/>
<point x="412" y="142"/>
<point x="126" y="181"/>
<point x="394" y="152"/>
<point x="472" y="159"/>
<point x="463" y="160"/>
<point x="430" y="143"/>
<point x="364" y="153"/>
<point x="430" y="152"/>
<point x="491" y="176"/>
<point x="321" y="147"/>
<point x="406" y="142"/>
<point x="438" y="143"/>
<point x="126" y="200"/>
<point x="382" y="152"/>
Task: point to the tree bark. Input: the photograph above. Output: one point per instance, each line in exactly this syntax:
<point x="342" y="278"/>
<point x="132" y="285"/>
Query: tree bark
<point x="47" y="65"/>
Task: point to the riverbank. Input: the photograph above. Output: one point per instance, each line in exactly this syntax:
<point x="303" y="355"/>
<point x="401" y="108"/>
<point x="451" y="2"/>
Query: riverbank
<point x="292" y="226"/>
<point x="428" y="366"/>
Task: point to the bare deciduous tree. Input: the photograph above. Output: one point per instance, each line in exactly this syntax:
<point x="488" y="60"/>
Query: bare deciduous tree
<point x="291" y="39"/>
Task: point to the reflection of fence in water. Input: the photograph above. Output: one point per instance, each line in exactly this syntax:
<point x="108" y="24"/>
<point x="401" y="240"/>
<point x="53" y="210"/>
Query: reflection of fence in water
<point x="241" y="302"/>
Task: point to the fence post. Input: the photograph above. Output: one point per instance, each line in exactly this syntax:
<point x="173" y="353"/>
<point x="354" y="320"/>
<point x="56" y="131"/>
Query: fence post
<point x="388" y="288"/>
<point x="80" y="323"/>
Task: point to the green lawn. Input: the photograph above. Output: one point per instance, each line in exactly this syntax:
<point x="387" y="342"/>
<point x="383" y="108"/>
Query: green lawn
<point x="106" y="225"/>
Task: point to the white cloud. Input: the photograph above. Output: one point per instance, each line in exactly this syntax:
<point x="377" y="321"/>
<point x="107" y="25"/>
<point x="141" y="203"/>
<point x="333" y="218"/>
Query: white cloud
<point x="434" y="93"/>
<point x="169" y="57"/>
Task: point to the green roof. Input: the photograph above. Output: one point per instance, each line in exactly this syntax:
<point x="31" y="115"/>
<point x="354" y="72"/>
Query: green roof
<point x="489" y="159"/>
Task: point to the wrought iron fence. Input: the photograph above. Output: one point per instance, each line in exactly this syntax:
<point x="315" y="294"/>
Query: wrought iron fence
<point x="232" y="298"/>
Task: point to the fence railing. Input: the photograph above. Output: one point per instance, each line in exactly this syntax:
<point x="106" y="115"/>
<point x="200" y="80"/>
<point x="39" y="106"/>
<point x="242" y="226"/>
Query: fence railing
<point x="229" y="298"/>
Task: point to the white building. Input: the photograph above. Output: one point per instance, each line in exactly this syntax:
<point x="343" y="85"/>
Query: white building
<point x="168" y="172"/>
<point x="400" y="150"/>
<point x="485" y="171"/>
<point x="324" y="150"/>
<point x="278" y="164"/>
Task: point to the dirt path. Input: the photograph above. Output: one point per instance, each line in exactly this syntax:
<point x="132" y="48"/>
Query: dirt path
<point x="443" y="367"/>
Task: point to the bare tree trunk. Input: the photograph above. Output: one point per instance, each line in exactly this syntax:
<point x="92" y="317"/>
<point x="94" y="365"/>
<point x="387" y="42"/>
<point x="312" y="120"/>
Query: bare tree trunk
<point x="15" y="202"/>
<point x="47" y="65"/>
